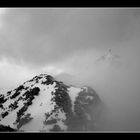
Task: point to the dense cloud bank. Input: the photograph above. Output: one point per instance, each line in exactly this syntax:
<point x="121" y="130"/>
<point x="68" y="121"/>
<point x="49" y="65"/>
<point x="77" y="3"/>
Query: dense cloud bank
<point x="40" y="36"/>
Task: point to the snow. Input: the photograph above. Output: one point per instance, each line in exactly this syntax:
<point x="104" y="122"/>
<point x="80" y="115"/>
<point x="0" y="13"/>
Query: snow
<point x="12" y="92"/>
<point x="36" y="124"/>
<point x="12" y="116"/>
<point x="7" y="103"/>
<point x="20" y="104"/>
<point x="62" y="117"/>
<point x="29" y="84"/>
<point x="3" y="91"/>
<point x="73" y="93"/>
<point x="43" y="79"/>
<point x="89" y="97"/>
<point x="37" y="111"/>
<point x="44" y="97"/>
<point x="85" y="88"/>
<point x="41" y="104"/>
<point x="10" y="119"/>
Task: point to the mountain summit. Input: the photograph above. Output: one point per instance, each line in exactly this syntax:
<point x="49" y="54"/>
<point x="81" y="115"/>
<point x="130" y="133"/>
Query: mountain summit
<point x="109" y="58"/>
<point x="44" y="104"/>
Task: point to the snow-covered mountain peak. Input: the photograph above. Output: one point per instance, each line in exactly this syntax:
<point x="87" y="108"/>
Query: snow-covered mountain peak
<point x="109" y="58"/>
<point x="44" y="104"/>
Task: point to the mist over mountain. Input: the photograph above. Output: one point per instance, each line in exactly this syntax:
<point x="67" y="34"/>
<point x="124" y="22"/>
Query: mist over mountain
<point x="44" y="104"/>
<point x="110" y="59"/>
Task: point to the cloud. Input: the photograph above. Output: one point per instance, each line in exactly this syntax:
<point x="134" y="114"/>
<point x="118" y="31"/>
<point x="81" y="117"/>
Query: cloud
<point x="13" y="74"/>
<point x="50" y="35"/>
<point x="2" y="12"/>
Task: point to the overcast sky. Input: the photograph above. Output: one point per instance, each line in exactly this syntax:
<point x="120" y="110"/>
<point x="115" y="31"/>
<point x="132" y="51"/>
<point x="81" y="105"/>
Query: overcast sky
<point x="69" y="40"/>
<point x="38" y="38"/>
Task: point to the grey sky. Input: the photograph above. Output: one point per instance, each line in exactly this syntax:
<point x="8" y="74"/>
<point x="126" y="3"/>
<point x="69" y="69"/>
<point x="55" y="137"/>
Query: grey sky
<point x="41" y="36"/>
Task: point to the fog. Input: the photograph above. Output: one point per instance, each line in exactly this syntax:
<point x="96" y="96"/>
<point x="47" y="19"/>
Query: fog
<point x="117" y="85"/>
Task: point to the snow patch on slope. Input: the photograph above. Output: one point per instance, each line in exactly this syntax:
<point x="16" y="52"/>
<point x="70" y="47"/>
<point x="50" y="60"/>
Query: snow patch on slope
<point x="73" y="93"/>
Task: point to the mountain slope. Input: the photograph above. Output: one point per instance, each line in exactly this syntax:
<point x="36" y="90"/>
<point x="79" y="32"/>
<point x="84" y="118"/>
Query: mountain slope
<point x="44" y="104"/>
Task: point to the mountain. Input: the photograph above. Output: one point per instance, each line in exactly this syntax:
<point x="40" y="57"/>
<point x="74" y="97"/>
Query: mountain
<point x="109" y="58"/>
<point x="6" y="129"/>
<point x="45" y="104"/>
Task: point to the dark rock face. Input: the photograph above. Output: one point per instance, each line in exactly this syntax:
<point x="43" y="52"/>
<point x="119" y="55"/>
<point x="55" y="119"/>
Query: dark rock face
<point x="65" y="114"/>
<point x="24" y="120"/>
<point x="17" y="92"/>
<point x="62" y="99"/>
<point x="6" y="129"/>
<point x="2" y="99"/>
<point x="85" y="105"/>
<point x="13" y="106"/>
